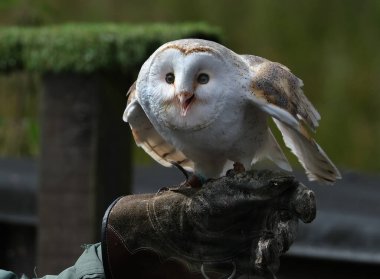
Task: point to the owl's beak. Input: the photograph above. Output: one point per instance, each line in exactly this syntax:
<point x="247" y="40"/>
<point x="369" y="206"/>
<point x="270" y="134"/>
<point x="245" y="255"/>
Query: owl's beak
<point x="185" y="100"/>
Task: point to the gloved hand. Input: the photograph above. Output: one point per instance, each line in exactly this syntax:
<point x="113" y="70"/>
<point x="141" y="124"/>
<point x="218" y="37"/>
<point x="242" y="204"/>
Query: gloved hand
<point x="238" y="224"/>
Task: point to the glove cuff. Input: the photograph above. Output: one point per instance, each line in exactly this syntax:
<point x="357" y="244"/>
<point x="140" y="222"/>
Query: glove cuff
<point x="106" y="240"/>
<point x="120" y="261"/>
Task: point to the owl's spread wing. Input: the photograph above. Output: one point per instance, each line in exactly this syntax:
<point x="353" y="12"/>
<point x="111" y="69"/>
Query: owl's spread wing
<point x="278" y="92"/>
<point x="147" y="137"/>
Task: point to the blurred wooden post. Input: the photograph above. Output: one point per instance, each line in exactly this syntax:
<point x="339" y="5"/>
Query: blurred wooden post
<point x="85" y="162"/>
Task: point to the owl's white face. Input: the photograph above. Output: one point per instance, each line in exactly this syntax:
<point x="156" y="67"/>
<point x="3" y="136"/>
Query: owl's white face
<point x="186" y="90"/>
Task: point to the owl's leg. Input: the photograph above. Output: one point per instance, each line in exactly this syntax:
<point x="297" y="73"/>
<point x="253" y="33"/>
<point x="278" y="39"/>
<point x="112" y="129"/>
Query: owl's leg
<point x="205" y="170"/>
<point x="209" y="169"/>
<point x="192" y="180"/>
<point x="196" y="180"/>
<point x="237" y="166"/>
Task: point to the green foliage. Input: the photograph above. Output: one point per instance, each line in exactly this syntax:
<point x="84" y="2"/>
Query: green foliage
<point x="11" y="49"/>
<point x="88" y="48"/>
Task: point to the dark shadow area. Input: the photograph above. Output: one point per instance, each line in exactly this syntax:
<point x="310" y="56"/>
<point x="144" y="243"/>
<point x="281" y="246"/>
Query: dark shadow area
<point x="342" y="242"/>
<point x="18" y="248"/>
<point x="314" y="268"/>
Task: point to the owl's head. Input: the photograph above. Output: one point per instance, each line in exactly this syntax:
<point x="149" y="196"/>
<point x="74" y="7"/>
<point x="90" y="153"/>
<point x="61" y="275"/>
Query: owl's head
<point x="184" y="83"/>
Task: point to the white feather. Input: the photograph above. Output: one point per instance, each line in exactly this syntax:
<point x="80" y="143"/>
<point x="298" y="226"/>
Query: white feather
<point x="311" y="156"/>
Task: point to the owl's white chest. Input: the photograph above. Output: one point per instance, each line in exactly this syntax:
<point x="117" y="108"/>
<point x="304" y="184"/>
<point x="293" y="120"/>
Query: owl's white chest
<point x="236" y="134"/>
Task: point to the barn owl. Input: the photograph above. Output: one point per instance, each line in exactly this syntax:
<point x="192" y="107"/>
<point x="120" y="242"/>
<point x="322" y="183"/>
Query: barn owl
<point x="204" y="107"/>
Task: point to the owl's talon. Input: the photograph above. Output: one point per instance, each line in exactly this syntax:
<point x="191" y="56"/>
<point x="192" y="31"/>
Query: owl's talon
<point x="181" y="169"/>
<point x="238" y="167"/>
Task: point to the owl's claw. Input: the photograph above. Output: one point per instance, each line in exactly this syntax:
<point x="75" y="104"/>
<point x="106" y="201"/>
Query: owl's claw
<point x="192" y="181"/>
<point x="178" y="166"/>
<point x="239" y="167"/>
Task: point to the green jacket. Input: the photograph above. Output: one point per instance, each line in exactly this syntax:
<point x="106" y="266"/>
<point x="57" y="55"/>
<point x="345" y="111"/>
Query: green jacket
<point x="88" y="266"/>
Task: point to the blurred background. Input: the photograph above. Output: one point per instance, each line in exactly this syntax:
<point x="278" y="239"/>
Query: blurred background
<point x="333" y="46"/>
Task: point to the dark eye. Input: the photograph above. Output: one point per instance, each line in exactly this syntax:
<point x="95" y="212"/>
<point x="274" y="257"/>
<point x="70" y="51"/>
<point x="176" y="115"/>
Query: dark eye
<point x="170" y="78"/>
<point x="203" y="78"/>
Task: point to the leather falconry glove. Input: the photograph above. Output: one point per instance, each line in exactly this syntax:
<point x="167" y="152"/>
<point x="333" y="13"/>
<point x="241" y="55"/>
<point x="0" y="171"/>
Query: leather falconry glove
<point x="239" y="224"/>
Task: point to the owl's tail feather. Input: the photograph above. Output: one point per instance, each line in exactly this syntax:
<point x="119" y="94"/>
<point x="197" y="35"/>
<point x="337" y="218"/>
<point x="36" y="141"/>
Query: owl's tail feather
<point x="317" y="164"/>
<point x="273" y="152"/>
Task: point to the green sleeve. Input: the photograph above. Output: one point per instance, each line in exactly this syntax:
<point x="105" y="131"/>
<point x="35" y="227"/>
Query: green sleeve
<point x="88" y="266"/>
<point x="7" y="274"/>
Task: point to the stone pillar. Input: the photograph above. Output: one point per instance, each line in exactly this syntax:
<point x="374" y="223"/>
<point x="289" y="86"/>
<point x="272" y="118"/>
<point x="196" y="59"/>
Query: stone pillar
<point x="85" y="162"/>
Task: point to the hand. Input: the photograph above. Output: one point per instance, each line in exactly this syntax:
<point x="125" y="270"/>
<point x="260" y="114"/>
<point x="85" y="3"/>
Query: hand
<point x="238" y="224"/>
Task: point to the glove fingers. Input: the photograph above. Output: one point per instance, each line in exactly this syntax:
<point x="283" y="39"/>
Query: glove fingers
<point x="285" y="233"/>
<point x="265" y="257"/>
<point x="275" y="241"/>
<point x="303" y="203"/>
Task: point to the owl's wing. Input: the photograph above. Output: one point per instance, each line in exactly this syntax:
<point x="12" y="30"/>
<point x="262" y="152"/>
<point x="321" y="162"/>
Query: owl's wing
<point x="148" y="138"/>
<point x="278" y="92"/>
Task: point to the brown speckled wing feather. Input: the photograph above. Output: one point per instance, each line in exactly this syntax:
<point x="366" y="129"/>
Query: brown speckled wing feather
<point x="148" y="138"/>
<point x="278" y="92"/>
<point x="273" y="83"/>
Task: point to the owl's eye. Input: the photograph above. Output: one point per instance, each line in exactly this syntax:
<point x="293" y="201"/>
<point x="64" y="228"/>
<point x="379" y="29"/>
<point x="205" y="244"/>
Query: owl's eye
<point x="170" y="78"/>
<point x="203" y="78"/>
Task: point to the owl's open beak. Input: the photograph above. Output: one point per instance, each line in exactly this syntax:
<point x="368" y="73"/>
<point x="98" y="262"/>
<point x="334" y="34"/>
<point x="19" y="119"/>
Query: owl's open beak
<point x="185" y="100"/>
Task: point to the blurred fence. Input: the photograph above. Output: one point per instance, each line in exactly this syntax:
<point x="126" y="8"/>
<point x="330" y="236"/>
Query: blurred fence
<point x="85" y="157"/>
